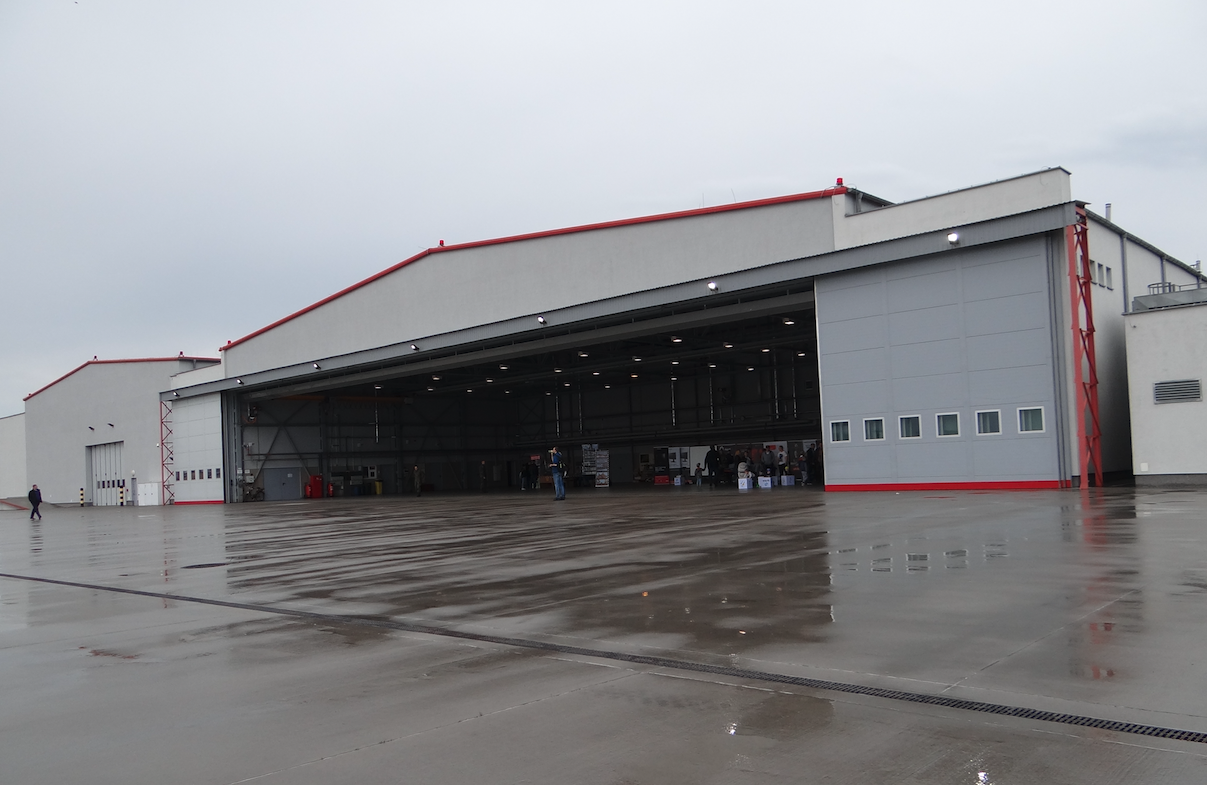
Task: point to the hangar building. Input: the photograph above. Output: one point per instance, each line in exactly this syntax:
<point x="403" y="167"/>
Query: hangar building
<point x="973" y="339"/>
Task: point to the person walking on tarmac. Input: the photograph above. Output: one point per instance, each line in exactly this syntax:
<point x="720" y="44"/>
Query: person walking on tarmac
<point x="35" y="499"/>
<point x="557" y="463"/>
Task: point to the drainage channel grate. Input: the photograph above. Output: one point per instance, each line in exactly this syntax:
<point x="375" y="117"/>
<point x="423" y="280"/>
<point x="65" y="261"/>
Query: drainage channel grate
<point x="203" y="566"/>
<point x="667" y="662"/>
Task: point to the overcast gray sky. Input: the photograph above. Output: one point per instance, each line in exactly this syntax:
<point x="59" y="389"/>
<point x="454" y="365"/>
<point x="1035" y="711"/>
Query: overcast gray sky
<point x="176" y="175"/>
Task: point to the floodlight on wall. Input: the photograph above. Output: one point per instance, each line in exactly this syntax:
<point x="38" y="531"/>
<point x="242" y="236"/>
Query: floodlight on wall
<point x="238" y="381"/>
<point x="175" y="394"/>
<point x="541" y="320"/>
<point x="953" y="238"/>
<point x="316" y="366"/>
<point x="414" y="347"/>
<point x="713" y="287"/>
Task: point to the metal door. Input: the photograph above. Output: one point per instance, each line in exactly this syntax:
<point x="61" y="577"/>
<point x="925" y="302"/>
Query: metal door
<point x="282" y="484"/>
<point x="106" y="481"/>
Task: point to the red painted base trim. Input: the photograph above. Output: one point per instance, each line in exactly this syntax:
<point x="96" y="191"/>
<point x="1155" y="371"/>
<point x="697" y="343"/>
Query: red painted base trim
<point x="208" y="501"/>
<point x="14" y="506"/>
<point x="1011" y="485"/>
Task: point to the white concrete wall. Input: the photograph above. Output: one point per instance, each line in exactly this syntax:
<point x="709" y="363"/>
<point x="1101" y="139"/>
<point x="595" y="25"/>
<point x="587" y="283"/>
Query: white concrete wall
<point x="12" y="457"/>
<point x="1107" y="247"/>
<point x="958" y="208"/>
<point x="76" y="412"/>
<point x="197" y="449"/>
<point x="1167" y="345"/>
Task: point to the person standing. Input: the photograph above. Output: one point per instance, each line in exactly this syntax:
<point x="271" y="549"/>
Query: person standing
<point x="712" y="460"/>
<point x="699" y="475"/>
<point x="417" y="480"/>
<point x="35" y="499"/>
<point x="557" y="463"/>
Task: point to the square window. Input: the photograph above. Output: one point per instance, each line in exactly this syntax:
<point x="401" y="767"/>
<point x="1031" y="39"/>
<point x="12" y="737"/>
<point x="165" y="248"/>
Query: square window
<point x="988" y="422"/>
<point x="840" y="431"/>
<point x="911" y="427"/>
<point x="873" y="430"/>
<point x="1030" y="420"/>
<point x="947" y="424"/>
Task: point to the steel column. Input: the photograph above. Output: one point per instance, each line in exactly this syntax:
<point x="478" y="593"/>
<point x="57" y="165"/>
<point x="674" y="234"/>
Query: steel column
<point x="1085" y="362"/>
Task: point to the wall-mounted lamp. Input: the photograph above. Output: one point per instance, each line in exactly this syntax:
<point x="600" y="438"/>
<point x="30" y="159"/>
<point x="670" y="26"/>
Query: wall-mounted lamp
<point x="712" y="286"/>
<point x="953" y="238"/>
<point x="175" y="394"/>
<point x="541" y="319"/>
<point x="91" y="428"/>
<point x="316" y="366"/>
<point x="414" y="347"/>
<point x="109" y="424"/>
<point x="238" y="381"/>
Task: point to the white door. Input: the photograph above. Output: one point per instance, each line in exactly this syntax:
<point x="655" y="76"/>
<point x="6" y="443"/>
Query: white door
<point x="107" y="479"/>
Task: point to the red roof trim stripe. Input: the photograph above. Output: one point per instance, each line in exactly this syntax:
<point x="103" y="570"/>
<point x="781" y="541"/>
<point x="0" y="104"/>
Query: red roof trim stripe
<point x="1000" y="485"/>
<point x="724" y="208"/>
<point x="112" y="362"/>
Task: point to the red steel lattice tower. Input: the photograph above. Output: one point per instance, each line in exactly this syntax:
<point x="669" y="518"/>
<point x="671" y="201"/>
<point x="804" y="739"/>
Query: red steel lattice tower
<point x="166" y="459"/>
<point x="1085" y="361"/>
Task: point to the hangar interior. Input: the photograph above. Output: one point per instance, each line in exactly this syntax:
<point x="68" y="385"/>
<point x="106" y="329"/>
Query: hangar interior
<point x="737" y="370"/>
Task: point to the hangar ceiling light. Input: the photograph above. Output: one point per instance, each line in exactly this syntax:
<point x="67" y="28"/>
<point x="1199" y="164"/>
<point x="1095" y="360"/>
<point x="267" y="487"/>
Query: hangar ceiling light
<point x="582" y="354"/>
<point x="788" y="321"/>
<point x="676" y="339"/>
<point x="502" y="367"/>
<point x="727" y="345"/>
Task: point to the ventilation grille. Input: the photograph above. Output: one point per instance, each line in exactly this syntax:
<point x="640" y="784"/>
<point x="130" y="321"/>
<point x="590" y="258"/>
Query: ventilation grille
<point x="1178" y="391"/>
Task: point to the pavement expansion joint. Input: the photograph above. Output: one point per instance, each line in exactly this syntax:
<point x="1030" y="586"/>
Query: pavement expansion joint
<point x="669" y="663"/>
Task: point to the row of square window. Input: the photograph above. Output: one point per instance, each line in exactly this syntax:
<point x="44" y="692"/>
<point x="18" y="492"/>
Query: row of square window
<point x="1103" y="277"/>
<point x="200" y="474"/>
<point x="988" y="423"/>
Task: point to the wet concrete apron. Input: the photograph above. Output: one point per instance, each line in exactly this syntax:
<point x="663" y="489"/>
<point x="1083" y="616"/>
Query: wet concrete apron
<point x="673" y="635"/>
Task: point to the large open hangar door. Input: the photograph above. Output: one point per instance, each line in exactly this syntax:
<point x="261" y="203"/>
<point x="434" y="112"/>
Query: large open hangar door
<point x="738" y="371"/>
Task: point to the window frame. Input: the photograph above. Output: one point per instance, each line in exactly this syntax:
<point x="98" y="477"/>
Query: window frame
<point x="883" y="435"/>
<point x="978" y="414"/>
<point x="903" y="418"/>
<point x="938" y="429"/>
<point x="847" y="440"/>
<point x="1042" y="418"/>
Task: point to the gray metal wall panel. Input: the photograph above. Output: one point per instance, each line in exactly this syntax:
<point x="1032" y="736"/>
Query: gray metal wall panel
<point x="968" y="330"/>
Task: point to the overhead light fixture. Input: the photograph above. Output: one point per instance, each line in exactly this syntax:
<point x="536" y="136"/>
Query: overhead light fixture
<point x="676" y="339"/>
<point x="766" y="350"/>
<point x="727" y="345"/>
<point x="557" y="370"/>
<point x="582" y="354"/>
<point x="503" y="367"/>
<point x="595" y="373"/>
<point x="414" y="348"/>
<point x="712" y="365"/>
<point x="751" y="368"/>
<point x="789" y="321"/>
<point x="541" y="319"/>
<point x="674" y="378"/>
<point x="548" y="393"/>
<point x="316" y="366"/>
<point x="636" y="359"/>
<point x="632" y="376"/>
<point x="953" y="238"/>
<point x="674" y="362"/>
<point x="712" y="286"/>
<point x="567" y="384"/>
<point x="431" y="389"/>
<point x="470" y="390"/>
<point x="435" y="378"/>
<point x="800" y="354"/>
<point x="377" y="387"/>
<point x="489" y="381"/>
<point x="607" y="386"/>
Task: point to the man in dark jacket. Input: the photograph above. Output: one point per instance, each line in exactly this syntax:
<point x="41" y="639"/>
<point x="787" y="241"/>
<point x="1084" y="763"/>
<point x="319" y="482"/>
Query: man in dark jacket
<point x="711" y="462"/>
<point x="35" y="499"/>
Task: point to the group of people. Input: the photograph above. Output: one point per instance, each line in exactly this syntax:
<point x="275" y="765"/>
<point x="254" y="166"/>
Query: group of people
<point x="725" y="466"/>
